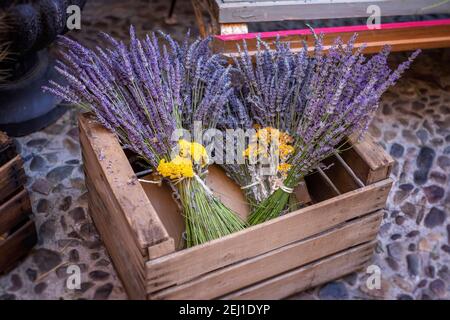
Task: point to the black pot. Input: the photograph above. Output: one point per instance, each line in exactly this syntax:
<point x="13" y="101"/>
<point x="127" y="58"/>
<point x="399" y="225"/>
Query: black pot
<point x="24" y="107"/>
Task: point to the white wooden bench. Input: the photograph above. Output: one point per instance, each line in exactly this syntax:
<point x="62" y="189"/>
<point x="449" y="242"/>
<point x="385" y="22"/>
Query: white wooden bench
<point x="229" y="19"/>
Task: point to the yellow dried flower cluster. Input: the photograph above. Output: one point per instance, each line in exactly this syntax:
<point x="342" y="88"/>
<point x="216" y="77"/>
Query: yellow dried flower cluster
<point x="177" y="168"/>
<point x="284" y="167"/>
<point x="260" y="146"/>
<point x="193" y="150"/>
<point x="182" y="165"/>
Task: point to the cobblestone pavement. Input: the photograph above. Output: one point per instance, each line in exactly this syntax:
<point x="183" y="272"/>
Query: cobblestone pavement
<point x="412" y="124"/>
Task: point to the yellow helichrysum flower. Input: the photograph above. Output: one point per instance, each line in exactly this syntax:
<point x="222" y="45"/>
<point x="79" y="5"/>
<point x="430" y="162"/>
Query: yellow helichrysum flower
<point x="285" y="138"/>
<point x="185" y="148"/>
<point x="251" y="150"/>
<point x="285" y="151"/>
<point x="263" y="138"/>
<point x="198" y="153"/>
<point x="284" y="167"/>
<point x="254" y="150"/>
<point x="177" y="168"/>
<point x="193" y="149"/>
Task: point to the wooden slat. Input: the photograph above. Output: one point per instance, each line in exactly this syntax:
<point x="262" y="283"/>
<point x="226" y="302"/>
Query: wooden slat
<point x="185" y="265"/>
<point x="161" y="249"/>
<point x="227" y="191"/>
<point x="259" y="11"/>
<point x="14" y="211"/>
<point x="7" y="148"/>
<point x="340" y="177"/>
<point x="301" y="193"/>
<point x="125" y="255"/>
<point x="12" y="177"/>
<point x="318" y="188"/>
<point x="368" y="160"/>
<point x="117" y="183"/>
<point x="162" y="200"/>
<point x="233" y="28"/>
<point x="400" y="36"/>
<point x="308" y="276"/>
<point x="17" y="245"/>
<point x="275" y="262"/>
<point x="202" y="27"/>
<point x="207" y="8"/>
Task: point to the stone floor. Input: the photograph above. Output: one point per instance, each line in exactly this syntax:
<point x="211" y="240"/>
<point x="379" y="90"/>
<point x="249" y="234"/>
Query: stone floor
<point x="412" y="124"/>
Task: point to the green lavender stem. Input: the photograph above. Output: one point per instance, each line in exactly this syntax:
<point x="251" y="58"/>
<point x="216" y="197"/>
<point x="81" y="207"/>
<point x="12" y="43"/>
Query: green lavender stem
<point x="269" y="208"/>
<point x="206" y="217"/>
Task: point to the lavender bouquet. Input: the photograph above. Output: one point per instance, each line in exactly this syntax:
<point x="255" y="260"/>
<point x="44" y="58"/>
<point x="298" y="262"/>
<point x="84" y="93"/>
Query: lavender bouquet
<point x="314" y="102"/>
<point x="145" y="93"/>
<point x="249" y="144"/>
<point x="235" y="117"/>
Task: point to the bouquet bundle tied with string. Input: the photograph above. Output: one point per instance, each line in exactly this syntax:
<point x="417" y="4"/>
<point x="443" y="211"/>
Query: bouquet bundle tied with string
<point x="260" y="153"/>
<point x="303" y="108"/>
<point x="145" y="93"/>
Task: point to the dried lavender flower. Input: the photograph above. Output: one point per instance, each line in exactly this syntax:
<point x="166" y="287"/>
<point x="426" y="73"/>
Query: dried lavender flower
<point x="145" y="91"/>
<point x="318" y="99"/>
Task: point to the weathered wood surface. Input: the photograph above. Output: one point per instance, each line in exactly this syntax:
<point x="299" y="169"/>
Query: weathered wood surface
<point x="207" y="8"/>
<point x="162" y="200"/>
<point x="241" y="11"/>
<point x="187" y="264"/>
<point x="12" y="177"/>
<point x="7" y="148"/>
<point x="17" y="231"/>
<point x="125" y="255"/>
<point x="152" y="268"/>
<point x="17" y="245"/>
<point x="122" y="213"/>
<point x="400" y="36"/>
<point x="105" y="158"/>
<point x="250" y="271"/>
<point x="14" y="211"/>
<point x="233" y="28"/>
<point x="368" y="160"/>
<point x="308" y="276"/>
<point x="227" y="191"/>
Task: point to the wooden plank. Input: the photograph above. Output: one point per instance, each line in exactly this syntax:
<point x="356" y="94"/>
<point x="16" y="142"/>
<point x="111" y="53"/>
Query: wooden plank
<point x="248" y="272"/>
<point x="207" y="8"/>
<point x="318" y="188"/>
<point x="259" y="11"/>
<point x="301" y="193"/>
<point x="125" y="255"/>
<point x="14" y="211"/>
<point x="378" y="163"/>
<point x="400" y="36"/>
<point x="227" y="191"/>
<point x="308" y="276"/>
<point x="7" y="148"/>
<point x="12" y="177"/>
<point x="198" y="12"/>
<point x="17" y="245"/>
<point x="233" y="28"/>
<point x="185" y="265"/>
<point x="161" y="249"/>
<point x="162" y="200"/>
<point x="117" y="184"/>
<point x="339" y="176"/>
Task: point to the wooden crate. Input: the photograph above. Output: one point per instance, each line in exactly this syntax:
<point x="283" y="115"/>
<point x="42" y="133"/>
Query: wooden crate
<point x="141" y="228"/>
<point x="17" y="230"/>
<point x="228" y="20"/>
